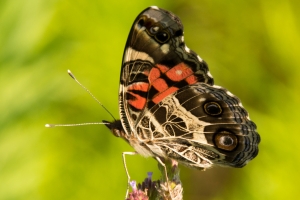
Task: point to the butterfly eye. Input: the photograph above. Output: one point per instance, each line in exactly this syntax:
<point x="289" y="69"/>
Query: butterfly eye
<point x="212" y="108"/>
<point x="162" y="37"/>
<point x="226" y="141"/>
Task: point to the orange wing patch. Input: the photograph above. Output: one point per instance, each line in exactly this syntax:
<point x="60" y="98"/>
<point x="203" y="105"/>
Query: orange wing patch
<point x="163" y="94"/>
<point x="138" y="102"/>
<point x="179" y="72"/>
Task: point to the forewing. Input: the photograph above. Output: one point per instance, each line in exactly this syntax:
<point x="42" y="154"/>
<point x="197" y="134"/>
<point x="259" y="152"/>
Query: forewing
<point x="156" y="63"/>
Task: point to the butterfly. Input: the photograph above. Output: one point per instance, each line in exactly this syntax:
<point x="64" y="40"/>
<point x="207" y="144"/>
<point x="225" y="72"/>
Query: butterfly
<point x="168" y="104"/>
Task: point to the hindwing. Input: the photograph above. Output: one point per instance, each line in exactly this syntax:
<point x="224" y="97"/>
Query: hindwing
<point x="200" y="125"/>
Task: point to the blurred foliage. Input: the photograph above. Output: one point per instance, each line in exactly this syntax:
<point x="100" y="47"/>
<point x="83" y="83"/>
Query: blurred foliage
<point x="252" y="48"/>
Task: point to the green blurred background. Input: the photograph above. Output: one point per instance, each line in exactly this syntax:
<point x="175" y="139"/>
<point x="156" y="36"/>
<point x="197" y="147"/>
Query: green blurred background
<point x="252" y="48"/>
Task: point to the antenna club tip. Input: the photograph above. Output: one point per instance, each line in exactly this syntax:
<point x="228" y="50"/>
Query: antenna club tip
<point x="48" y="125"/>
<point x="70" y="73"/>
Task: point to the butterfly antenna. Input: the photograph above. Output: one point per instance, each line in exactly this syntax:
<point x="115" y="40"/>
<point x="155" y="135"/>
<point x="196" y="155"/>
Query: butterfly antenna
<point x="81" y="124"/>
<point x="72" y="75"/>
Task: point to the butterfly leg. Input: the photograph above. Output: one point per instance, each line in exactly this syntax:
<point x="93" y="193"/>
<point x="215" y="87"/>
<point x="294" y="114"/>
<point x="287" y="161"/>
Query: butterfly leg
<point x="125" y="166"/>
<point x="166" y="174"/>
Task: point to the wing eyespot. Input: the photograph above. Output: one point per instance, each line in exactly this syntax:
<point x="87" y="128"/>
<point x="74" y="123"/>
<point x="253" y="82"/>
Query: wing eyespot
<point x="226" y="140"/>
<point x="162" y="37"/>
<point x="213" y="108"/>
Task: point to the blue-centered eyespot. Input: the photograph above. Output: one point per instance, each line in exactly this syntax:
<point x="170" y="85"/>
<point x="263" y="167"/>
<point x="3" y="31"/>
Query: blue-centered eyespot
<point x="226" y="140"/>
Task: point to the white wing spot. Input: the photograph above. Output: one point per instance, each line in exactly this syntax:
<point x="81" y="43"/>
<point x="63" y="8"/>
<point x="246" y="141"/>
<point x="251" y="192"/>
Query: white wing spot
<point x="178" y="72"/>
<point x="187" y="49"/>
<point x="199" y="58"/>
<point x="156" y="28"/>
<point x="202" y="99"/>
<point x="165" y="48"/>
<point x="131" y="55"/>
<point x="229" y="93"/>
<point x="209" y="74"/>
<point x="155" y="7"/>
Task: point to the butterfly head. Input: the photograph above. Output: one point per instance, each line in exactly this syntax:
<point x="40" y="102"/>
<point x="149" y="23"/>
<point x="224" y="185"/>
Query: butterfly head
<point x="115" y="127"/>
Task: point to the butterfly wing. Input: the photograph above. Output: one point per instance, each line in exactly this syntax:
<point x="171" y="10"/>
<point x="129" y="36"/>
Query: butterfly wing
<point x="169" y="106"/>
<point x="156" y="63"/>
